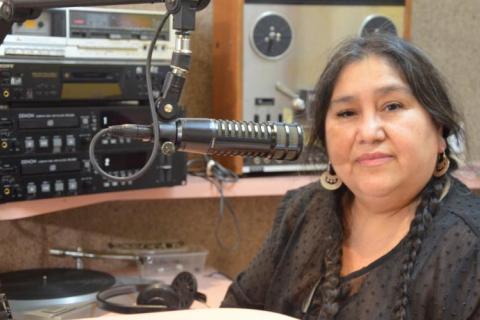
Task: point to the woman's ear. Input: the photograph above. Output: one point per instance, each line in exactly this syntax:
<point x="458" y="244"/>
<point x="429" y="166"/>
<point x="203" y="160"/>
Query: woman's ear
<point x="442" y="143"/>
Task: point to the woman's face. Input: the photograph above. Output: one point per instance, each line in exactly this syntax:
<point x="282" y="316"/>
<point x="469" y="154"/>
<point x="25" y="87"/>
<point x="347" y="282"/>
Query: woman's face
<point x="380" y="140"/>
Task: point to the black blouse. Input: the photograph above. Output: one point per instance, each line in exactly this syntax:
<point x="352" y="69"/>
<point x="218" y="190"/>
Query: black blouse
<point x="445" y="280"/>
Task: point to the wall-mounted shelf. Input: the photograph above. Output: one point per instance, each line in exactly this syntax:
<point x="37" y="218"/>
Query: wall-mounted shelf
<point x="195" y="188"/>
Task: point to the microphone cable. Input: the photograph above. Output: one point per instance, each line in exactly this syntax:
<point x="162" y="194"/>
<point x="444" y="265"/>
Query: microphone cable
<point x="155" y="122"/>
<point x="218" y="175"/>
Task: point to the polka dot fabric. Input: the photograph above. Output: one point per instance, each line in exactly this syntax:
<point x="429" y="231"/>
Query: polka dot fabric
<point x="445" y="280"/>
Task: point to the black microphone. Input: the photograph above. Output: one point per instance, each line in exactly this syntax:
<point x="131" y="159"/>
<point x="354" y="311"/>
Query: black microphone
<point x="274" y="140"/>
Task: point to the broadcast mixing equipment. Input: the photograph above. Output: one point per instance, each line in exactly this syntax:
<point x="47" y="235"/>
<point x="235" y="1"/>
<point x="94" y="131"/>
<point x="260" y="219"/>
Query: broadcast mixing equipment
<point x="58" y="88"/>
<point x="44" y="152"/>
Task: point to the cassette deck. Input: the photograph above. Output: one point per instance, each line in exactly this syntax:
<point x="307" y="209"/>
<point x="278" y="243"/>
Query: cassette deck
<point x="90" y="33"/>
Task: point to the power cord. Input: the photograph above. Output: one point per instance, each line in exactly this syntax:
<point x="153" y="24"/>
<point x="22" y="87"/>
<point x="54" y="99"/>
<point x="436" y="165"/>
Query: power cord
<point x="218" y="175"/>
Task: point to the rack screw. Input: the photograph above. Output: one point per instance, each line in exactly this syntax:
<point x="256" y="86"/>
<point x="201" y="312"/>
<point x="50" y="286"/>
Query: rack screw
<point x="168" y="108"/>
<point x="7" y="191"/>
<point x="168" y="148"/>
<point x="6" y="10"/>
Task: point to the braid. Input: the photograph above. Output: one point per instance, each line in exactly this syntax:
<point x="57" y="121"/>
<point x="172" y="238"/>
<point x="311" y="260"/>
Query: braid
<point x="330" y="287"/>
<point x="423" y="216"/>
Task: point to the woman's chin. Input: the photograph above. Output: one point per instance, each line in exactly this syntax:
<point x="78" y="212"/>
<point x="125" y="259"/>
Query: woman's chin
<point x="374" y="188"/>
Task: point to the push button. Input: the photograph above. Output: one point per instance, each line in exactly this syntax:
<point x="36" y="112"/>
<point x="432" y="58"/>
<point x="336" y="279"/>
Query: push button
<point x="31" y="188"/>
<point x="46" y="187"/>
<point x="70" y="141"/>
<point x="29" y="144"/>
<point x="57" y="144"/>
<point x="59" y="186"/>
<point x="72" y="185"/>
<point x="43" y="142"/>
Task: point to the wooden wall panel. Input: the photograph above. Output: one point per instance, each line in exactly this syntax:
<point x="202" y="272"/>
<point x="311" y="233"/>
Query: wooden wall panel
<point x="227" y="65"/>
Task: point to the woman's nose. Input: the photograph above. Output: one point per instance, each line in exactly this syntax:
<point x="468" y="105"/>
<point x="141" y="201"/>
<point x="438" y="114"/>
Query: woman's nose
<point x="371" y="129"/>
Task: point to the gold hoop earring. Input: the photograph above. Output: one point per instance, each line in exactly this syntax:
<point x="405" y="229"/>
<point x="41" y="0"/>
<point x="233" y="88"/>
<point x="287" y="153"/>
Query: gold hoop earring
<point x="329" y="180"/>
<point x="443" y="163"/>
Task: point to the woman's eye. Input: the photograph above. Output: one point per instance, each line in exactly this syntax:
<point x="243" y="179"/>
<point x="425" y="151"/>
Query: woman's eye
<point x="392" y="106"/>
<point x="345" y="114"/>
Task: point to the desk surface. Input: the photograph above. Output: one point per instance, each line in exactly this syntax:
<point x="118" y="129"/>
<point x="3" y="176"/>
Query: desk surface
<point x="207" y="314"/>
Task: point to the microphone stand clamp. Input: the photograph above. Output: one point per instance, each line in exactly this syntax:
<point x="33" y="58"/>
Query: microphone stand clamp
<point x="183" y="12"/>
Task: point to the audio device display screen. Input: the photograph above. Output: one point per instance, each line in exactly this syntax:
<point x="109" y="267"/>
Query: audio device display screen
<point x="116" y="162"/>
<point x="111" y="118"/>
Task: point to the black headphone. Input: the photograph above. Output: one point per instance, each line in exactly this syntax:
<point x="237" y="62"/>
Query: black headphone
<point x="154" y="297"/>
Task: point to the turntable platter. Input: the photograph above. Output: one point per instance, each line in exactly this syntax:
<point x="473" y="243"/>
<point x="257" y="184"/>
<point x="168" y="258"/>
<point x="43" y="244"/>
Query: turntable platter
<point x="33" y="288"/>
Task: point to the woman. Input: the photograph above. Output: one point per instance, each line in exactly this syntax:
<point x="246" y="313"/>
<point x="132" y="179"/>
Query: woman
<point x="388" y="233"/>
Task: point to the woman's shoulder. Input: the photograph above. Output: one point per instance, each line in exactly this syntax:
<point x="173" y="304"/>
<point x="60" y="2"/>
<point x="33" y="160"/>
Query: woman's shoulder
<point x="303" y="198"/>
<point x="449" y="262"/>
<point x="306" y="190"/>
<point x="460" y="209"/>
<point x="304" y="202"/>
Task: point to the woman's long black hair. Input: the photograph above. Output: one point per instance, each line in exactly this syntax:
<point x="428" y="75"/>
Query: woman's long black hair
<point x="430" y="90"/>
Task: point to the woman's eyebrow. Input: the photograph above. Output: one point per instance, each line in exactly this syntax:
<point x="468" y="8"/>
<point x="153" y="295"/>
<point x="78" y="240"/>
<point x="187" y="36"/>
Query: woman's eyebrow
<point x="392" y="88"/>
<point x="344" y="99"/>
<point x="381" y="91"/>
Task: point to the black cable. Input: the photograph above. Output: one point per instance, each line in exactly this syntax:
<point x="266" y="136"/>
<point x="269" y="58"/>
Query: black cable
<point x="217" y="175"/>
<point x="155" y="122"/>
<point x="220" y="217"/>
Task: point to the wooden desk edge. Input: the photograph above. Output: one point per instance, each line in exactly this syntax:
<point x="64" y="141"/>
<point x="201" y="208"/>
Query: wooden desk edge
<point x="196" y="188"/>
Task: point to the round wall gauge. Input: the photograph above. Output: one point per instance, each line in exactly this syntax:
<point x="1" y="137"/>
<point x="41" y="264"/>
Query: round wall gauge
<point x="271" y="36"/>
<point x="377" y="24"/>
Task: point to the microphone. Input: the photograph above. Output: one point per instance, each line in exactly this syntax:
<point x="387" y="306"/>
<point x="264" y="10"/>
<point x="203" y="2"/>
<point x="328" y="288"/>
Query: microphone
<point x="274" y="140"/>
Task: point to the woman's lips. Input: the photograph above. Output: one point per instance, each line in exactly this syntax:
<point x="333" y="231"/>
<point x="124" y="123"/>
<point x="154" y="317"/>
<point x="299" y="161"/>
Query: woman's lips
<point x="374" y="159"/>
